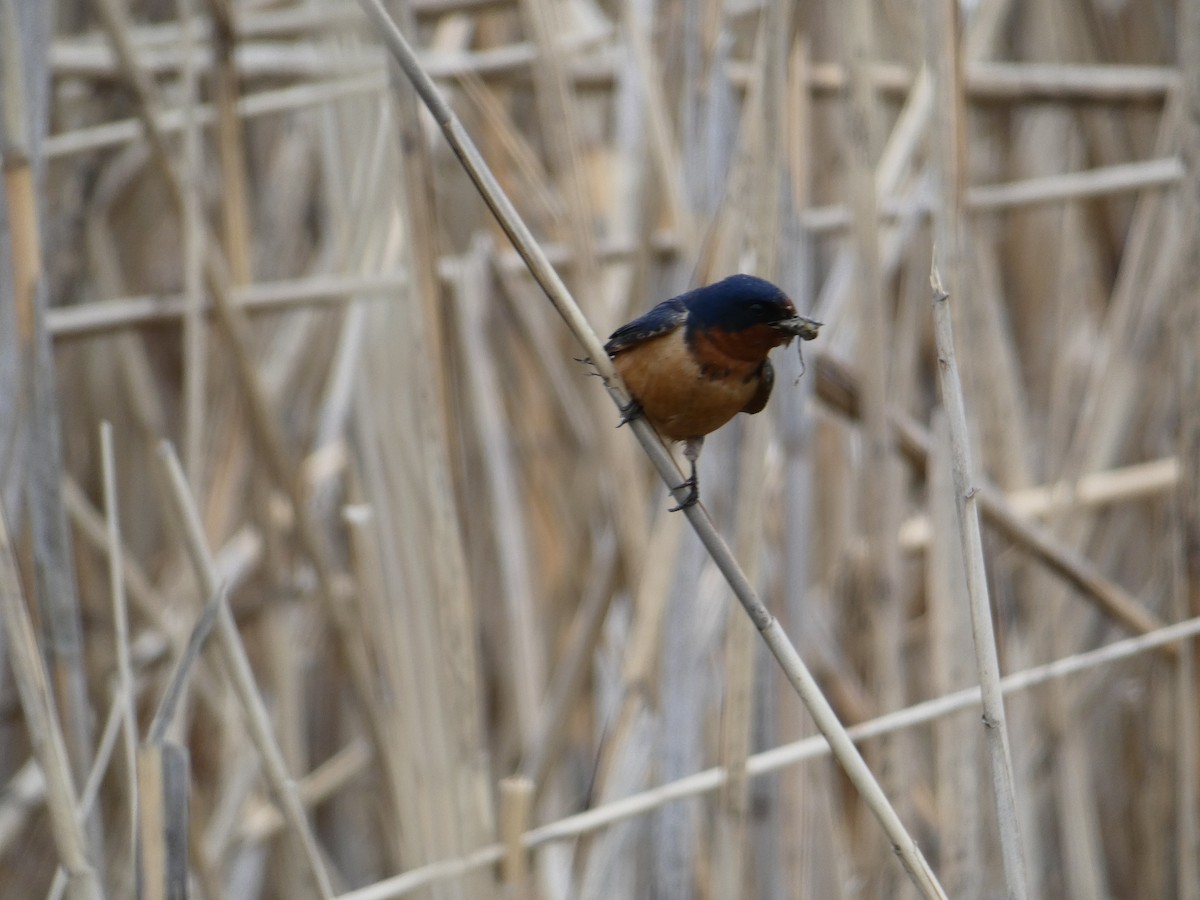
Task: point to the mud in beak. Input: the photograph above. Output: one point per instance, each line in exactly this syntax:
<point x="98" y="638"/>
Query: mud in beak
<point x="801" y="326"/>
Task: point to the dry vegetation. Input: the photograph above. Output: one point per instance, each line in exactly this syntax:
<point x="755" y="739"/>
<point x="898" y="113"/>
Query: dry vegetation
<point x="456" y="647"/>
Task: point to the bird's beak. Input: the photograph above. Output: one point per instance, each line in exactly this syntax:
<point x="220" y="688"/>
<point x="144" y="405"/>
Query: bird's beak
<point x="800" y="326"/>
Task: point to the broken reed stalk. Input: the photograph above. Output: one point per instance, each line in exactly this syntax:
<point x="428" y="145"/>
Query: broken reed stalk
<point x="49" y="747"/>
<point x="237" y="666"/>
<point x="987" y="660"/>
<point x="777" y="640"/>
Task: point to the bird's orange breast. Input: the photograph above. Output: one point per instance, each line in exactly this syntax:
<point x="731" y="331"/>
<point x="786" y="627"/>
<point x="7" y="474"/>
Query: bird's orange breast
<point x="688" y="391"/>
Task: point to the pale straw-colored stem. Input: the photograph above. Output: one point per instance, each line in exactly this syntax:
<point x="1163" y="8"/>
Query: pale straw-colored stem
<point x="986" y="657"/>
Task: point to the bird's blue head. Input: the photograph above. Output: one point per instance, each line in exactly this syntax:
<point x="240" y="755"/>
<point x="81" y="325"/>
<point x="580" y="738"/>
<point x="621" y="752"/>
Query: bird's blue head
<point x="737" y="303"/>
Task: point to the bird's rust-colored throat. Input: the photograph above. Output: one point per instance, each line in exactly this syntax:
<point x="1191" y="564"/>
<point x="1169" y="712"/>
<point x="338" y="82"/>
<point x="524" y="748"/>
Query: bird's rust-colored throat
<point x="748" y="345"/>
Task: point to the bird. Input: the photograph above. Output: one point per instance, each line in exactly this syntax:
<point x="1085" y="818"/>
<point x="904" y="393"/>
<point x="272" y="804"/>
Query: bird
<point x="695" y="361"/>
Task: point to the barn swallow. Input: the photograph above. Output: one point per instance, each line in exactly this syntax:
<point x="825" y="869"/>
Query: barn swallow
<point x="695" y="361"/>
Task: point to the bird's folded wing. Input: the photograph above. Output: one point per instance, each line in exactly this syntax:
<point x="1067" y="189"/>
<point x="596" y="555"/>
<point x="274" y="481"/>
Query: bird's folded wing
<point x="663" y="319"/>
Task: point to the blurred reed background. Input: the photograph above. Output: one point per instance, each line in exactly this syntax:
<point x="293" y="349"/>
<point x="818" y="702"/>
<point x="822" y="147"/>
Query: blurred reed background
<point x="466" y="610"/>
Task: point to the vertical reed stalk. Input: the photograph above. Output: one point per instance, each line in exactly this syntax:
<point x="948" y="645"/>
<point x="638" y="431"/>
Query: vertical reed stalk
<point x="995" y="723"/>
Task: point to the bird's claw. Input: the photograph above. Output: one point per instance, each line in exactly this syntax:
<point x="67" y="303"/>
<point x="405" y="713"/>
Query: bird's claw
<point x="693" y="494"/>
<point x="629" y="412"/>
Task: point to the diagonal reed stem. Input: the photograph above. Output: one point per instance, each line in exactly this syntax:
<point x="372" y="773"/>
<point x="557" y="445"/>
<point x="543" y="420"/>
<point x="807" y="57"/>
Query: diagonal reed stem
<point x="777" y="640"/>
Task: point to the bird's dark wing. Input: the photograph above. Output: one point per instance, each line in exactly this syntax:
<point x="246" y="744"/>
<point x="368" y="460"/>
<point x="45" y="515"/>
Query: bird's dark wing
<point x="663" y="319"/>
<point x="766" y="381"/>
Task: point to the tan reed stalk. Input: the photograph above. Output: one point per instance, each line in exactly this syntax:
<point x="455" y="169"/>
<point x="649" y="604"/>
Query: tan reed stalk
<point x="794" y="668"/>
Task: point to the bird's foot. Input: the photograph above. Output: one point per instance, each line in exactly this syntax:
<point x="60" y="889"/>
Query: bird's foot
<point x="693" y="496"/>
<point x="629" y="412"/>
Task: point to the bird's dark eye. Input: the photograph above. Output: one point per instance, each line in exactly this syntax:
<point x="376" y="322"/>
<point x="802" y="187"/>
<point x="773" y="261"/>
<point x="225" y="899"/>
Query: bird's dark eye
<point x="757" y="307"/>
